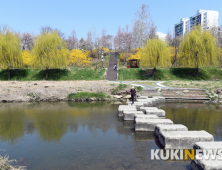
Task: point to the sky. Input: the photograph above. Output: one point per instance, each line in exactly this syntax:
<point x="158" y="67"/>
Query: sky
<point x="81" y="15"/>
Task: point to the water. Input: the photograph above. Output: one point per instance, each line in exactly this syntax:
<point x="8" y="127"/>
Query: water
<point x="48" y="136"/>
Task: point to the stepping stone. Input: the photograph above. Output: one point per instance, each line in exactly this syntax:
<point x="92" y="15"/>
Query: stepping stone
<point x="159" y="112"/>
<point x="129" y="115"/>
<point x="208" y="145"/>
<point x="183" y="139"/>
<point x="204" y="164"/>
<point x="161" y="99"/>
<point x="142" y="124"/>
<point x="146" y="116"/>
<point x="137" y="104"/>
<point x="125" y="107"/>
<point x="157" y="100"/>
<point x="149" y="108"/>
<point x="150" y="102"/>
<point x="174" y="127"/>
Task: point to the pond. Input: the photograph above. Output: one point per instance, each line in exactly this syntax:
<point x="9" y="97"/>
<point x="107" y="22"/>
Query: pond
<point x="47" y="136"/>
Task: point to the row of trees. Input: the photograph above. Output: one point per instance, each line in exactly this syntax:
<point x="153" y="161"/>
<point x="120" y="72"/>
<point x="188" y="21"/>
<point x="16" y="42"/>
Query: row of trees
<point x="49" y="51"/>
<point x="197" y="49"/>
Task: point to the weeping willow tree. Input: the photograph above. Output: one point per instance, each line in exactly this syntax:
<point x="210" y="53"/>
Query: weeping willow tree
<point x="10" y="51"/>
<point x="49" y="52"/>
<point x="198" y="49"/>
<point x="156" y="53"/>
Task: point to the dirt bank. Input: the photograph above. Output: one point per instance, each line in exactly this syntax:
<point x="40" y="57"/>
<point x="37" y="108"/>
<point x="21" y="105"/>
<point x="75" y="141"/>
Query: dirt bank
<point x="17" y="91"/>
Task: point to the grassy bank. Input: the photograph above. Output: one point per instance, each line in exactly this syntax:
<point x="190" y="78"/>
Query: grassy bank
<point x="208" y="85"/>
<point x="209" y="73"/>
<point x="72" y="73"/>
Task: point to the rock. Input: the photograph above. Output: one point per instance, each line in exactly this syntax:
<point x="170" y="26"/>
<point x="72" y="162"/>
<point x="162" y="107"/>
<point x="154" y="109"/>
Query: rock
<point x="127" y="165"/>
<point x="149" y="124"/>
<point x="127" y="97"/>
<point x="117" y="96"/>
<point x="35" y="84"/>
<point x="183" y="139"/>
<point x="129" y="114"/>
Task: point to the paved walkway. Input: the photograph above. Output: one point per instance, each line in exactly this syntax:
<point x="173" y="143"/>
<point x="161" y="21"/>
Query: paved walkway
<point x="155" y="84"/>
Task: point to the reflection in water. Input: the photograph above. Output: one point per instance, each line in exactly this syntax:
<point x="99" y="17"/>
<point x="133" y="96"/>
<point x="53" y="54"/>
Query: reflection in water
<point x="90" y="135"/>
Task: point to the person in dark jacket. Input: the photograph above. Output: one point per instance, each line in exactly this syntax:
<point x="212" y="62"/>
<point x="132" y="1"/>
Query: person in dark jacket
<point x="133" y="93"/>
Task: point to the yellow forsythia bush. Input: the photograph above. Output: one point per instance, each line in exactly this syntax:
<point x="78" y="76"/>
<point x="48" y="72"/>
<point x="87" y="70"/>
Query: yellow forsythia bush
<point x="135" y="54"/>
<point x="79" y="57"/>
<point x="27" y="58"/>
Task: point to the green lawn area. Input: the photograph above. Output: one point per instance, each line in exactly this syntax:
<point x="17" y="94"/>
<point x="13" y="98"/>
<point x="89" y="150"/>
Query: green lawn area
<point x="207" y="73"/>
<point x="209" y="85"/>
<point x="72" y="73"/>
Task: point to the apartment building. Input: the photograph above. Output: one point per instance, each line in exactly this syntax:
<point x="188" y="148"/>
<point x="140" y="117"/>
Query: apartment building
<point x="161" y="35"/>
<point x="206" y="18"/>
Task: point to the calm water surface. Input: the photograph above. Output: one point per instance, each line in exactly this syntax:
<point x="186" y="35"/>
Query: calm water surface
<point x="47" y="136"/>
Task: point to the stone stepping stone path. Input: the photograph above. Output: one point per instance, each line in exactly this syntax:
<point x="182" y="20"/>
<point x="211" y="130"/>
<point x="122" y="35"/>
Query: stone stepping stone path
<point x="144" y="116"/>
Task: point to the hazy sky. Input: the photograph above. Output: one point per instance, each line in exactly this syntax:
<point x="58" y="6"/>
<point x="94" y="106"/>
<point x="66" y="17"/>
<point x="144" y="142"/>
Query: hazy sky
<point x="30" y="15"/>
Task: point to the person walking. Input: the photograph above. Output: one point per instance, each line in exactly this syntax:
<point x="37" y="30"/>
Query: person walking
<point x="114" y="68"/>
<point x="133" y="93"/>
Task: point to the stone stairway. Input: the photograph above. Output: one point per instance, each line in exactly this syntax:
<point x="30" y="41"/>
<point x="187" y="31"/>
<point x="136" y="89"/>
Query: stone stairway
<point x="111" y="75"/>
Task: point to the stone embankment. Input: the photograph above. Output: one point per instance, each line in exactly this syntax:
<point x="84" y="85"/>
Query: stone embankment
<point x="168" y="134"/>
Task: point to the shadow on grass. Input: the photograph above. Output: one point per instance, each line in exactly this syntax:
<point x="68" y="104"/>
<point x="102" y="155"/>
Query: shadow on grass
<point x="16" y="74"/>
<point x="189" y="73"/>
<point x="54" y="74"/>
<point x="148" y="73"/>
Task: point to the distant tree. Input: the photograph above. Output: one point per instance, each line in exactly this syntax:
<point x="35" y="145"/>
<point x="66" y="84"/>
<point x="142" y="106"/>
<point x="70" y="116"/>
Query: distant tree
<point x="72" y="41"/>
<point x="156" y="53"/>
<point x="152" y="31"/>
<point x="10" y="50"/>
<point x="169" y="38"/>
<point x="198" y="49"/>
<point x="49" y="51"/>
<point x="47" y="29"/>
<point x="142" y="24"/>
<point x="27" y="41"/>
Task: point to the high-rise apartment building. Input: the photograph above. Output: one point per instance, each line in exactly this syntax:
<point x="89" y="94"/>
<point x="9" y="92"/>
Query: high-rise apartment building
<point x="206" y="18"/>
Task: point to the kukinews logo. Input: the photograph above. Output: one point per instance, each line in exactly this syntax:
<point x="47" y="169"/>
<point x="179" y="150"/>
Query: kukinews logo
<point x="180" y="154"/>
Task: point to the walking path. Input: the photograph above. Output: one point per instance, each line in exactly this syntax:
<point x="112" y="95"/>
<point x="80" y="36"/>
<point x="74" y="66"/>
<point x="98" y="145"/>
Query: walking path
<point x="111" y="74"/>
<point x="155" y="84"/>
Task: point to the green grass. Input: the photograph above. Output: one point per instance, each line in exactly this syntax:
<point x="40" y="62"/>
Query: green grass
<point x="74" y="73"/>
<point x="209" y="73"/>
<point x="118" y="88"/>
<point x="86" y="95"/>
<point x="139" y="88"/>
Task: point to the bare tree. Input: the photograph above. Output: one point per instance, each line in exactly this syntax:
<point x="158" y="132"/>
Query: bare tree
<point x="169" y="37"/>
<point x="142" y="24"/>
<point x="47" y="29"/>
<point x="72" y="41"/>
<point x="27" y="41"/>
<point x="152" y="31"/>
